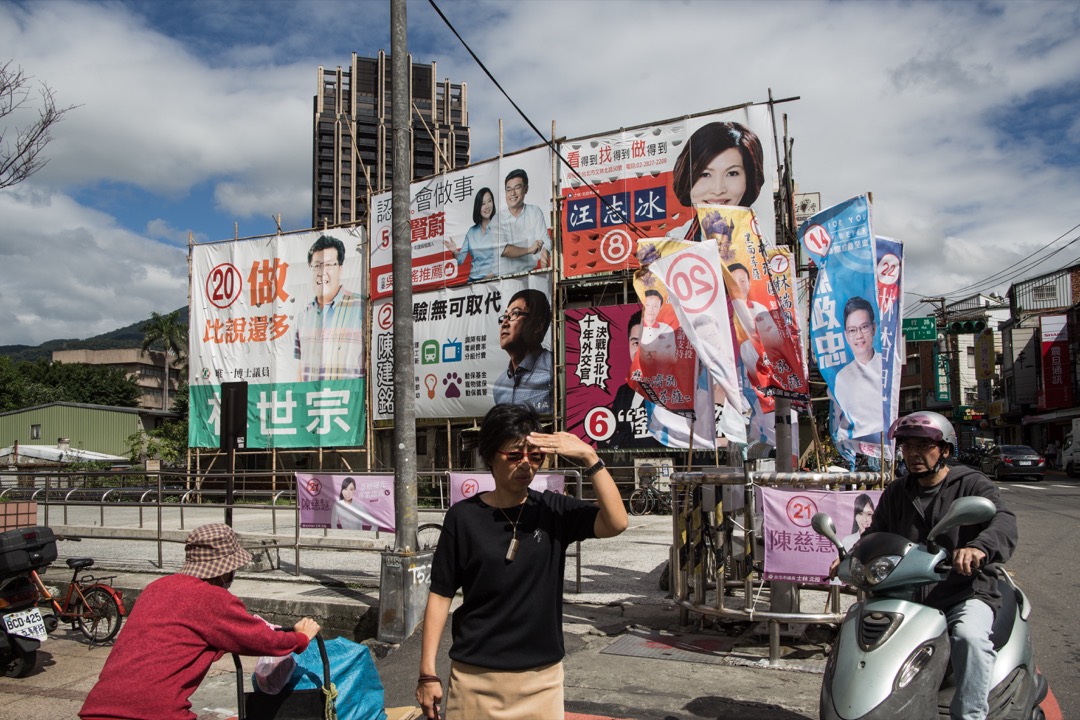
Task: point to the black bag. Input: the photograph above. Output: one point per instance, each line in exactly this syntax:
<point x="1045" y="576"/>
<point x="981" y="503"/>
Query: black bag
<point x="289" y="704"/>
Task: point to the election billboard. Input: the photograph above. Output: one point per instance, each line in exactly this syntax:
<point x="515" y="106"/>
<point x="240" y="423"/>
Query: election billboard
<point x="475" y="346"/>
<point x="485" y="221"/>
<point x="286" y="314"/>
<point x="645" y="182"/>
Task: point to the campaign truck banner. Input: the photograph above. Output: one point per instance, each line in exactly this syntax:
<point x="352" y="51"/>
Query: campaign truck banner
<point x="601" y="406"/>
<point x="645" y="182"/>
<point x="889" y="272"/>
<point x="845" y="321"/>
<point x="285" y="314"/>
<point x="793" y="551"/>
<point x="346" y="502"/>
<point x="1057" y="383"/>
<point x="474" y="346"/>
<point x="465" y="485"/>
<point x="486" y="221"/>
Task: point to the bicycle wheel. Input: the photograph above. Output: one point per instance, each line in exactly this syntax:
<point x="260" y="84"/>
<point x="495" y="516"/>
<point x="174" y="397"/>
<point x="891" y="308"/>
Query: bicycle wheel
<point x="639" y="502"/>
<point x="100" y="619"/>
<point x="427" y="536"/>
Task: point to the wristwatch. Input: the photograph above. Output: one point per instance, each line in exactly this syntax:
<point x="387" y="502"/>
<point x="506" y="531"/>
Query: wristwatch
<point x="593" y="469"/>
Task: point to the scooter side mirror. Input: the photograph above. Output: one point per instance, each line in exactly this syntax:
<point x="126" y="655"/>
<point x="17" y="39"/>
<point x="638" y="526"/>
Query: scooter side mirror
<point x="965" y="511"/>
<point x="823" y="525"/>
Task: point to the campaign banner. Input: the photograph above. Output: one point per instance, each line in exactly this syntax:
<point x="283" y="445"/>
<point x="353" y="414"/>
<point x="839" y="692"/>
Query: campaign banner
<point x="601" y="407"/>
<point x="694" y="277"/>
<point x="474" y="346"/>
<point x="645" y="182"/>
<point x="346" y="502"/>
<point x="889" y="271"/>
<point x="845" y="327"/>
<point x="485" y="221"/>
<point x="285" y="314"/>
<point x="984" y="356"/>
<point x="464" y="485"/>
<point x="1057" y="381"/>
<point x="793" y="551"/>
<point x="665" y="369"/>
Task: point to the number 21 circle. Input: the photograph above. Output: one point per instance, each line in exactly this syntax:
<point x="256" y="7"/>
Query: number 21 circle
<point x="800" y="509"/>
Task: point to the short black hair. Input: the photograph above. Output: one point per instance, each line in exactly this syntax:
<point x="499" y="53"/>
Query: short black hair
<point x="856" y="303"/>
<point x="657" y="293"/>
<point x="478" y="201"/>
<point x="539" y="319"/>
<point x="324" y="242"/>
<point x="505" y="423"/>
<point x="738" y="266"/>
<point x="518" y="173"/>
<point x="635" y="319"/>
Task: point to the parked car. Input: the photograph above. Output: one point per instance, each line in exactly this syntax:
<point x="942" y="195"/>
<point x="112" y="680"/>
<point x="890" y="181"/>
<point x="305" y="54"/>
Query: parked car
<point x="1007" y="461"/>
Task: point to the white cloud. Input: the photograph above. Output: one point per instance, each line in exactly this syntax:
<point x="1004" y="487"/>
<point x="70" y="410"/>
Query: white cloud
<point x="208" y="99"/>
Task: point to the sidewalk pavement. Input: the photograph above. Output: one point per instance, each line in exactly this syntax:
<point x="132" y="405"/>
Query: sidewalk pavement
<point x="626" y="655"/>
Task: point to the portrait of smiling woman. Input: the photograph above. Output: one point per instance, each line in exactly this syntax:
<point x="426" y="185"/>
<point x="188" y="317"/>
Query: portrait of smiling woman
<point x="506" y="551"/>
<point x="721" y="164"/>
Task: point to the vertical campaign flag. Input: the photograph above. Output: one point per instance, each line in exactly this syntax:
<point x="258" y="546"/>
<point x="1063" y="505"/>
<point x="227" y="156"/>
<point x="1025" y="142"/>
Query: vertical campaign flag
<point x="695" y="282"/>
<point x="645" y="182"/>
<point x="285" y="314"/>
<point x="889" y="272"/>
<point x="1057" y="383"/>
<point x="846" y="320"/>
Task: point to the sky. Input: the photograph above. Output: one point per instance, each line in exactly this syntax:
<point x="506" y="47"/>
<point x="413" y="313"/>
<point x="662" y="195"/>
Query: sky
<point x="962" y="119"/>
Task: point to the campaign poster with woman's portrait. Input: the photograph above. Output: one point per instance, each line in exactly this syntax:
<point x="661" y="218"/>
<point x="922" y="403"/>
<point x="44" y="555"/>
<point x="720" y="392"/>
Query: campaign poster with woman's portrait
<point x="346" y="502"/>
<point x="646" y="181"/>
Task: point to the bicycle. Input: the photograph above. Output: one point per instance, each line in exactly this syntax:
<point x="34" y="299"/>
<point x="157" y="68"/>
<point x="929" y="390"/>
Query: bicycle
<point x="91" y="604"/>
<point x="427" y="536"/>
<point x="647" y="499"/>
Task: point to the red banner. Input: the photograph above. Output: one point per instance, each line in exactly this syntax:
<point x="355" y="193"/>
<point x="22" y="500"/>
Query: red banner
<point x="1057" y="384"/>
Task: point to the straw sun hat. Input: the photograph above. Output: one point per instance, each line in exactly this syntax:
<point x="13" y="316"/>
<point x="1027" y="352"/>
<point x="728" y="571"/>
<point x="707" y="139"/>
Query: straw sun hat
<point x="213" y="550"/>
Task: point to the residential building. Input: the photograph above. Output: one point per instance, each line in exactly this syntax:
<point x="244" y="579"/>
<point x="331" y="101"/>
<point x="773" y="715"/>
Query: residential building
<point x="1040" y="353"/>
<point x="353" y="143"/>
<point x="146" y="368"/>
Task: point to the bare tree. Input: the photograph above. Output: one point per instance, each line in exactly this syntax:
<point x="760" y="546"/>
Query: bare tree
<point x="20" y="158"/>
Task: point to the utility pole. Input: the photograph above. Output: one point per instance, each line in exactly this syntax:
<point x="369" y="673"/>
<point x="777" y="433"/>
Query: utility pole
<point x="406" y="574"/>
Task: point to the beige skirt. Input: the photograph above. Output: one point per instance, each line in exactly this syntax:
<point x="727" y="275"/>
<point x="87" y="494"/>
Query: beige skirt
<point x="533" y="694"/>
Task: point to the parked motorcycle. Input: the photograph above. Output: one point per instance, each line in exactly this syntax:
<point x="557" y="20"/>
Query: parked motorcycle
<point x="22" y="628"/>
<point x="891" y="658"/>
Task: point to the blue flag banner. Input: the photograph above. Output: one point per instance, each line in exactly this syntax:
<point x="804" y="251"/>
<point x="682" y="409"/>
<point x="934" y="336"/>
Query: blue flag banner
<point x="845" y="321"/>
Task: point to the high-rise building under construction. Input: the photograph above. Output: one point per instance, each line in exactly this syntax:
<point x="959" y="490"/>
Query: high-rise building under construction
<point x="353" y="142"/>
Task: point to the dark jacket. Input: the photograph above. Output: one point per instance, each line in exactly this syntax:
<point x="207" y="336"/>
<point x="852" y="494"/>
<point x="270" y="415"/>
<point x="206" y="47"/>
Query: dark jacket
<point x="897" y="513"/>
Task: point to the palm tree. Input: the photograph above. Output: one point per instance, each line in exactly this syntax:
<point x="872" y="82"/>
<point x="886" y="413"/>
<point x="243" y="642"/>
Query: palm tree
<point x="170" y="334"/>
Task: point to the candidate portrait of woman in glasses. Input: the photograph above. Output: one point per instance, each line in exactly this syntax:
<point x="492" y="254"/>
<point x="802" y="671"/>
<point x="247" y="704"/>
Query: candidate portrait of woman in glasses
<point x="505" y="550"/>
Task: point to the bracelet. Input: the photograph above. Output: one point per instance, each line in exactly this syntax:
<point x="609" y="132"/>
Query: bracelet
<point x="423" y="679"/>
<point x="593" y="469"/>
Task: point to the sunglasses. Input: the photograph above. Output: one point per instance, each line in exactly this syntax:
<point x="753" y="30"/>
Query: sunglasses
<point x="516" y="456"/>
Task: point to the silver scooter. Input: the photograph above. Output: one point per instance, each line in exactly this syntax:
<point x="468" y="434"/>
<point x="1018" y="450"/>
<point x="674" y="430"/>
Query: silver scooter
<point x="891" y="658"/>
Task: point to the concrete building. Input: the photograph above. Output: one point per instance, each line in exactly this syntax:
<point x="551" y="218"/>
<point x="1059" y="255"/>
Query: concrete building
<point x="353" y="143"/>
<point x="147" y="368"/>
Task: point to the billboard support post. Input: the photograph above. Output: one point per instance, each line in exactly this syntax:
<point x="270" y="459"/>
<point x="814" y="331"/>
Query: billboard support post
<point x="400" y="612"/>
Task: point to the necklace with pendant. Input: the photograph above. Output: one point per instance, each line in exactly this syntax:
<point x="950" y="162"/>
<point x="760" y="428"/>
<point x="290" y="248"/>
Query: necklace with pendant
<point x="511" y="551"/>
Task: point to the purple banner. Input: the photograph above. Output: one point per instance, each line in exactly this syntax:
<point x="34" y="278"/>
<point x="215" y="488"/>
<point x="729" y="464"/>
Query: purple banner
<point x="346" y="502"/>
<point x="793" y="551"/>
<point x="466" y="485"/>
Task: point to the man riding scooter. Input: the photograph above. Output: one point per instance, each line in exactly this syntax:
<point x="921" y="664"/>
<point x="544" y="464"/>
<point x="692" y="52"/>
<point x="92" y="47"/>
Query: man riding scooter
<point x="910" y="507"/>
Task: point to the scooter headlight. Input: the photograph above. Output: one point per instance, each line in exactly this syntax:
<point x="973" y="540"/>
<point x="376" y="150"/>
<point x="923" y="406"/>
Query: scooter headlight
<point x="914" y="665"/>
<point x="880" y="568"/>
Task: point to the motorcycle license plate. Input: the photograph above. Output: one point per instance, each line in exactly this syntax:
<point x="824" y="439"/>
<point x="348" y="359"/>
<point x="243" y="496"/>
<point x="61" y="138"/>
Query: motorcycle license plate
<point x="26" y="623"/>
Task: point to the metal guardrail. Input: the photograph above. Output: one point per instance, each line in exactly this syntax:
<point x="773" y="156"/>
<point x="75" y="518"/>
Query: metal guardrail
<point x="729" y="571"/>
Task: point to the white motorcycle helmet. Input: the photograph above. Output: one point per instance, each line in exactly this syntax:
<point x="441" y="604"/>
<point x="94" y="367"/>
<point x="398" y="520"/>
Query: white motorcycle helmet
<point x="924" y="424"/>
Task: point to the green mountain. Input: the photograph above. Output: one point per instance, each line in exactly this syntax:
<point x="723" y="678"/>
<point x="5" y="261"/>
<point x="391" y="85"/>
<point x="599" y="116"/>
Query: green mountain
<point x="125" y="337"/>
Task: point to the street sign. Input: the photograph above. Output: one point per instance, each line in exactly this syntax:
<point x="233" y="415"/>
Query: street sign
<point x="916" y="329"/>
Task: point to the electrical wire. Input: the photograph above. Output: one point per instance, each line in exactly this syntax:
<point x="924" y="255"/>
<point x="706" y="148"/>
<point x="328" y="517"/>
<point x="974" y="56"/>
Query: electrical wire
<point x="626" y="220"/>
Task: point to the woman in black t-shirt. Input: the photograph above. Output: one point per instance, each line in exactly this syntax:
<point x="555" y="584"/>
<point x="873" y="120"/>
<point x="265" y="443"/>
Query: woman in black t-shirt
<point x="506" y="551"/>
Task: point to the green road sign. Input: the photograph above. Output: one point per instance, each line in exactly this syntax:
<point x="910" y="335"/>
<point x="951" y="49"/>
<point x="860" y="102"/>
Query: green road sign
<point x="924" y="328"/>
